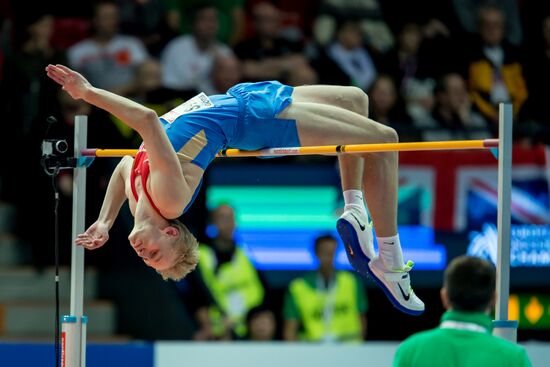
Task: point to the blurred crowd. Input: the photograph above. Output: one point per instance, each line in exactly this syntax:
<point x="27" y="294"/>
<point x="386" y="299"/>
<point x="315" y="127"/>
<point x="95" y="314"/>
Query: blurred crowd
<point x="433" y="70"/>
<point x="231" y="300"/>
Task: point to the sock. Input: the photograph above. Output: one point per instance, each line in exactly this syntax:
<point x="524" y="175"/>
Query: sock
<point x="354" y="198"/>
<point x="390" y="252"/>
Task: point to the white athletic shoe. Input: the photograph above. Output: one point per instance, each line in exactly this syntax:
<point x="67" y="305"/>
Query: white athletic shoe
<point x="355" y="229"/>
<point x="397" y="286"/>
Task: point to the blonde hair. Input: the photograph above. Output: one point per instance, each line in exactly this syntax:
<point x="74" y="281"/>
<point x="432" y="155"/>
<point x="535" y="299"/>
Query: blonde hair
<point x="187" y="248"/>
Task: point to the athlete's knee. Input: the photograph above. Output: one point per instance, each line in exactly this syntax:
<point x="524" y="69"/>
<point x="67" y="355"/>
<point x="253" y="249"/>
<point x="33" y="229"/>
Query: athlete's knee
<point x="359" y="100"/>
<point x="389" y="135"/>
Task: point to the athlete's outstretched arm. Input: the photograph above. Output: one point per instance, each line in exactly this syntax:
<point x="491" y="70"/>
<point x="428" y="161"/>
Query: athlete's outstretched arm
<point x="133" y="114"/>
<point x="171" y="190"/>
<point x="140" y="118"/>
<point x="98" y="233"/>
<point x="115" y="195"/>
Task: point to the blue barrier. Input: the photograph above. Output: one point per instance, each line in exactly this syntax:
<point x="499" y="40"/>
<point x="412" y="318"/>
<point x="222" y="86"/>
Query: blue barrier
<point x="97" y="355"/>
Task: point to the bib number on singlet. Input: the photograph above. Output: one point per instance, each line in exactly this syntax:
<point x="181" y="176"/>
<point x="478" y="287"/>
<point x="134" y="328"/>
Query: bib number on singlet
<point x="197" y="103"/>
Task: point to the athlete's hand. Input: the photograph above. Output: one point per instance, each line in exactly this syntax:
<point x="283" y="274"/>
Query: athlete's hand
<point x="72" y="82"/>
<point x="94" y="237"/>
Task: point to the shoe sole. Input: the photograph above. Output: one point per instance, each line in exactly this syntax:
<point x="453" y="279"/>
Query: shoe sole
<point x="360" y="262"/>
<point x="356" y="257"/>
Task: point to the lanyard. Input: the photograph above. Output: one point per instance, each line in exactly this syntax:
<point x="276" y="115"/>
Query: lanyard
<point x="458" y="325"/>
<point x="328" y="310"/>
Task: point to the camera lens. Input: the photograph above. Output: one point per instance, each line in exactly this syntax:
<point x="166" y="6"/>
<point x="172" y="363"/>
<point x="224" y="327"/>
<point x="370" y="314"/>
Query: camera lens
<point x="61" y="146"/>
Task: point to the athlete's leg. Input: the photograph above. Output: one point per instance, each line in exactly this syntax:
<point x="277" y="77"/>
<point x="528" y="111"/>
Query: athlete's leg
<point x="324" y="123"/>
<point x="351" y="166"/>
<point x="345" y="110"/>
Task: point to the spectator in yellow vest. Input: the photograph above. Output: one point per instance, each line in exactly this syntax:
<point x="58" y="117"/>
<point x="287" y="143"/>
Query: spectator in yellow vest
<point x="231" y="281"/>
<point x="326" y="305"/>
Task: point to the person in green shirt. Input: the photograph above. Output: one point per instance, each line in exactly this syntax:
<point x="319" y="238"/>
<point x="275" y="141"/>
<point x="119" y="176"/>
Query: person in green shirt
<point x="325" y="305"/>
<point x="464" y="336"/>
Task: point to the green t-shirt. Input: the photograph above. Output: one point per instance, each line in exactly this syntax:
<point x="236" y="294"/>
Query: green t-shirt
<point x="290" y="309"/>
<point x="462" y="340"/>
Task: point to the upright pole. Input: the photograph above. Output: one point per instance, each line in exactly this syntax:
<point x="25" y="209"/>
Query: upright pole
<point x="502" y="326"/>
<point x="74" y="325"/>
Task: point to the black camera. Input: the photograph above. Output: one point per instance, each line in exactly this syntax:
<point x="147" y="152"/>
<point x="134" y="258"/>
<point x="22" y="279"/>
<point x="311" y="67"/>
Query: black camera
<point x="54" y="147"/>
<point x="54" y="152"/>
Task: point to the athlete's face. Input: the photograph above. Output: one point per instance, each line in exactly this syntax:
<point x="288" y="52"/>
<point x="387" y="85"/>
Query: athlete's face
<point x="155" y="246"/>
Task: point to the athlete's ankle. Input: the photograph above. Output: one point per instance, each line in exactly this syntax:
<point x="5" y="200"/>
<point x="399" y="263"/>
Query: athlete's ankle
<point x="390" y="252"/>
<point x="353" y="197"/>
<point x="356" y="207"/>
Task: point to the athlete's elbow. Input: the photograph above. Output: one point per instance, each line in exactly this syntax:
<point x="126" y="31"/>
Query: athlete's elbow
<point x="146" y="118"/>
<point x="149" y="116"/>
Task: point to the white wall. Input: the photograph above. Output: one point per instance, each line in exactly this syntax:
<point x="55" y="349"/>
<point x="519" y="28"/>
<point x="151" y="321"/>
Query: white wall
<point x="376" y="354"/>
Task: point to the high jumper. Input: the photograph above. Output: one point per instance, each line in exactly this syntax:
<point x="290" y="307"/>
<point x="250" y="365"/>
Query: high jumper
<point x="165" y="176"/>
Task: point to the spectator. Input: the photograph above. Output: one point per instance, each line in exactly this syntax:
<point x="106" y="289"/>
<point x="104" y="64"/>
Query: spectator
<point x="24" y="86"/>
<point x="372" y="24"/>
<point x="187" y="60"/>
<point x="230" y="17"/>
<point x="108" y="59"/>
<point x="325" y="305"/>
<point x="225" y="74"/>
<point x="454" y="112"/>
<point x="434" y="24"/>
<point x="297" y="19"/>
<point x="148" y="78"/>
<point x="26" y="99"/>
<point x="420" y="102"/>
<point x="260" y="324"/>
<point x="352" y="58"/>
<point x="466" y="11"/>
<point x="386" y="107"/>
<point x="233" y="284"/>
<point x="146" y="19"/>
<point x="269" y="56"/>
<point x="328" y="70"/>
<point x="414" y="57"/>
<point x="147" y="89"/>
<point x="464" y="335"/>
<point x="494" y="71"/>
